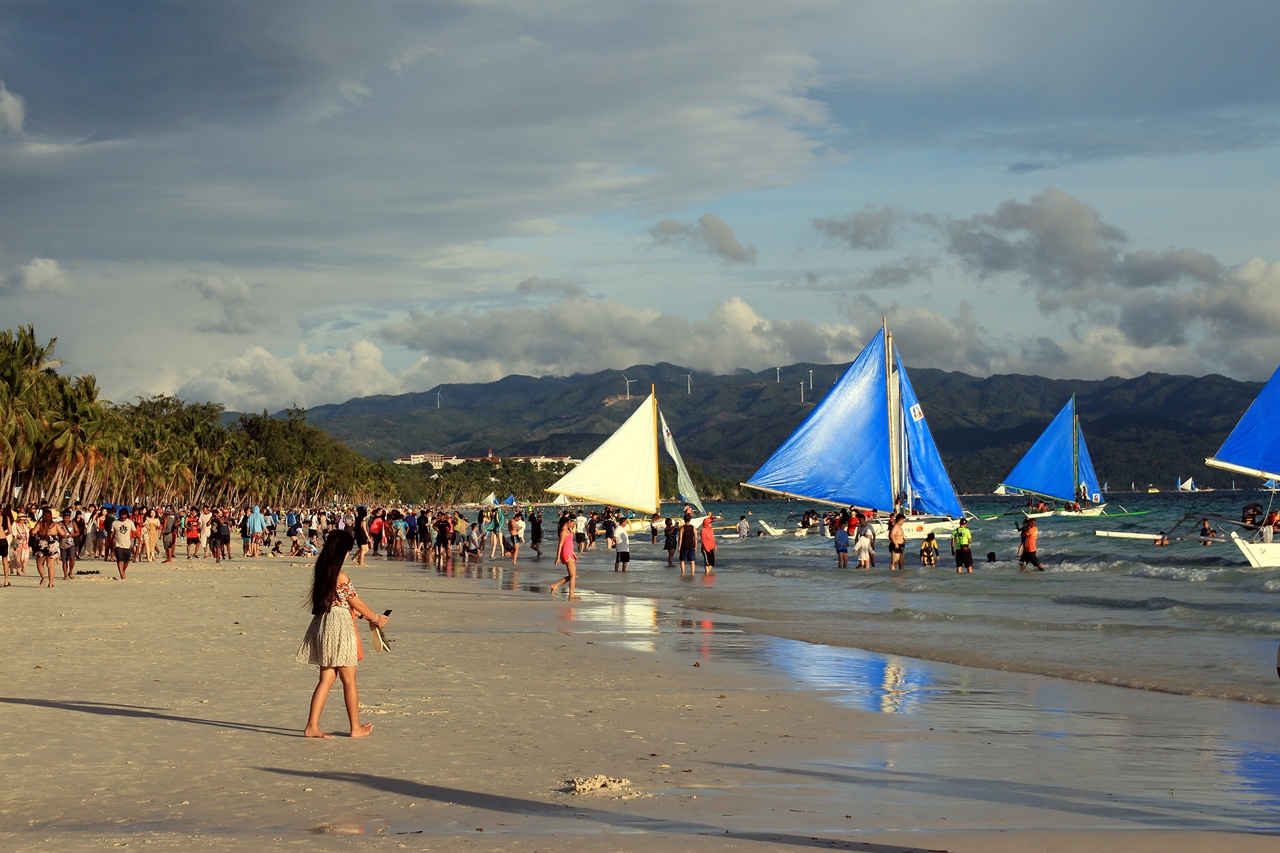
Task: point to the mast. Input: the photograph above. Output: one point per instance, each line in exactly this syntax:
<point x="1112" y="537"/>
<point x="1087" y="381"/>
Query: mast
<point x="893" y="420"/>
<point x="657" y="491"/>
<point x="1075" y="450"/>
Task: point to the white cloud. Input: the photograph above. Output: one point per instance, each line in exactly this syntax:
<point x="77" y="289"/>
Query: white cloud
<point x="13" y="112"/>
<point x="39" y="275"/>
<point x="231" y="299"/>
<point x="260" y="380"/>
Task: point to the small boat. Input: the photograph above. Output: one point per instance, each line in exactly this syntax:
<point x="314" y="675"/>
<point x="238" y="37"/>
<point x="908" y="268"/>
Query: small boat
<point x="867" y="445"/>
<point x="1186" y="486"/>
<point x="1058" y="467"/>
<point x="1152" y="490"/>
<point x="1253" y="448"/>
<point x="623" y="471"/>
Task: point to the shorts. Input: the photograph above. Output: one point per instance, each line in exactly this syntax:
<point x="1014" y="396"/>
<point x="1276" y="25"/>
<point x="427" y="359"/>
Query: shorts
<point x="4" y="547"/>
<point x="686" y="555"/>
<point x="580" y="538"/>
<point x="964" y="557"/>
<point x="169" y="540"/>
<point x="123" y="555"/>
<point x="896" y="549"/>
<point x="624" y="557"/>
<point x="193" y="540"/>
<point x="842" y="550"/>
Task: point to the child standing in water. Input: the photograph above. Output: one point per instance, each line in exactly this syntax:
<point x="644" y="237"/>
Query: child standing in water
<point x="929" y="551"/>
<point x="332" y="642"/>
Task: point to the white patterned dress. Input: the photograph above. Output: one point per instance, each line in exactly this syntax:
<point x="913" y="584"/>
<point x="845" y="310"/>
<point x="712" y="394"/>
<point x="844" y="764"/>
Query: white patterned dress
<point x="331" y="638"/>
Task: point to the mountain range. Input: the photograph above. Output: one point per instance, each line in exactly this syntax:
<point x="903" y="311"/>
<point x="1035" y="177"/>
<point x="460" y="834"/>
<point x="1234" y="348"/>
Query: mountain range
<point x="1151" y="429"/>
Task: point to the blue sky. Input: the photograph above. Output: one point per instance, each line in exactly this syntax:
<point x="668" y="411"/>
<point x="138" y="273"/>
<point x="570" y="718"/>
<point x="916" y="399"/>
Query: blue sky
<point x="265" y="204"/>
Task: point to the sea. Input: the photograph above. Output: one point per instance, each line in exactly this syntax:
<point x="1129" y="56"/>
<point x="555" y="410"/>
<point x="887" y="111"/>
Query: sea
<point x="1183" y="619"/>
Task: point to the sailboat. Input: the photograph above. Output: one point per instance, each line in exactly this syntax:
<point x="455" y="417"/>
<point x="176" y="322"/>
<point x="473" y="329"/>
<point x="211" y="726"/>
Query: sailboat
<point x="1188" y="486"/>
<point x="867" y="445"/>
<point x="623" y="471"/>
<point x="1253" y="448"/>
<point x="1058" y="467"/>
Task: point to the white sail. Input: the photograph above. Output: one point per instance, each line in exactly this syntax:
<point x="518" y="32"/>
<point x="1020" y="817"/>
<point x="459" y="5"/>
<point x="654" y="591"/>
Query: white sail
<point x="624" y="470"/>
<point x="683" y="480"/>
<point x="560" y="500"/>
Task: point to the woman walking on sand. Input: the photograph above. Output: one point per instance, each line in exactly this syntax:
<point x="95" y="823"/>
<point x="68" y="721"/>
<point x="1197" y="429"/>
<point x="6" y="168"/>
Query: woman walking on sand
<point x="566" y="554"/>
<point x="6" y="527"/>
<point x="332" y="642"/>
<point x="360" y="529"/>
<point x="20" y="535"/>
<point x="44" y="540"/>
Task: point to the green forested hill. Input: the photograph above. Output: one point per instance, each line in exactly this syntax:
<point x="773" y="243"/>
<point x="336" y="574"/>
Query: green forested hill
<point x="1151" y="429"/>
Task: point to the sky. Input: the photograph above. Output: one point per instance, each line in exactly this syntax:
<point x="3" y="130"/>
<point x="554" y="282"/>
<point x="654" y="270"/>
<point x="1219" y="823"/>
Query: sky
<point x="297" y="203"/>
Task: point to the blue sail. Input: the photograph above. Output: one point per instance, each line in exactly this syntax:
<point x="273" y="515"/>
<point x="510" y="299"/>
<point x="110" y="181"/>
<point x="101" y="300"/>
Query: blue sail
<point x="930" y="490"/>
<point x="1058" y="462"/>
<point x="1254" y="445"/>
<point x="1085" y="474"/>
<point x="840" y="453"/>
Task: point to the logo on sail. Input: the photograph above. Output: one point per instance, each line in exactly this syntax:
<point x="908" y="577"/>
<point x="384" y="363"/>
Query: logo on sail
<point x="917" y="414"/>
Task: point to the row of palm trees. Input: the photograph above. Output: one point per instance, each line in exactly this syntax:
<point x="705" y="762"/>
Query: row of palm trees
<point x="59" y="442"/>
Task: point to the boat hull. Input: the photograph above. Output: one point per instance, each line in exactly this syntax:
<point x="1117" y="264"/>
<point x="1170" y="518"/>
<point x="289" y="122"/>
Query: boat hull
<point x="1089" y="512"/>
<point x="912" y="528"/>
<point x="1261" y="555"/>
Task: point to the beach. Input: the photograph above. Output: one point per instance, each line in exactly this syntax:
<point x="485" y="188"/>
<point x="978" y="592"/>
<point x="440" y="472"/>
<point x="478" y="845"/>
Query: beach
<point x="165" y="712"/>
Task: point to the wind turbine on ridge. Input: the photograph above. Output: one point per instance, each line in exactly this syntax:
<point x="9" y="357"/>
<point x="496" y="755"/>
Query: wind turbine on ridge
<point x="629" y="381"/>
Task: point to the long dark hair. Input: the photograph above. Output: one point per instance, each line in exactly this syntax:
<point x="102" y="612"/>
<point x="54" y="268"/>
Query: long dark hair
<point x="328" y="565"/>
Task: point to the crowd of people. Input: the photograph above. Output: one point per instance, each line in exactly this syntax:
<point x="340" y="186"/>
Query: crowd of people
<point x="57" y="539"/>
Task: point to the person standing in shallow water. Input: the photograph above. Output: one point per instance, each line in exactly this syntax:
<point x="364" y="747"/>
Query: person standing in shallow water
<point x="1027" y="550"/>
<point x="332" y="641"/>
<point x="567" y="554"/>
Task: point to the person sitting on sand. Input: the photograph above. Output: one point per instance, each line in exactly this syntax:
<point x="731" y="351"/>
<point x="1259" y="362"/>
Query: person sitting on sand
<point x="332" y="641"/>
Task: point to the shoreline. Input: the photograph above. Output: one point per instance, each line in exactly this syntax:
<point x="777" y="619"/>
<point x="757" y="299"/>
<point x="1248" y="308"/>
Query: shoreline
<point x="167" y="710"/>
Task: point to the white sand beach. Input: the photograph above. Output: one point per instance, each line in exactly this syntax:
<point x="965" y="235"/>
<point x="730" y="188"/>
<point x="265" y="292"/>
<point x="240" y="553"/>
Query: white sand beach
<point x="165" y="713"/>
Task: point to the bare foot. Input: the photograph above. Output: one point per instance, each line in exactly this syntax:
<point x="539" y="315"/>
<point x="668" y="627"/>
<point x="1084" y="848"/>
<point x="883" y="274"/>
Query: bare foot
<point x="575" y="598"/>
<point x="364" y="731"/>
<point x="315" y="733"/>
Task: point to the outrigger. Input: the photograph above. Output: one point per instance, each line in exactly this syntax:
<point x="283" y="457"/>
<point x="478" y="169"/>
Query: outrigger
<point x="1253" y="448"/>
<point x="1257" y="547"/>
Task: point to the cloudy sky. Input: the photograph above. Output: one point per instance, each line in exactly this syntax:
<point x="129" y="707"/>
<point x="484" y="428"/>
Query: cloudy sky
<point x="264" y="204"/>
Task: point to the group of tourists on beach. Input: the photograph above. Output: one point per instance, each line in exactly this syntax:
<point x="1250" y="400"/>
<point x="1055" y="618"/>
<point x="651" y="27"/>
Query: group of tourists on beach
<point x="124" y="535"/>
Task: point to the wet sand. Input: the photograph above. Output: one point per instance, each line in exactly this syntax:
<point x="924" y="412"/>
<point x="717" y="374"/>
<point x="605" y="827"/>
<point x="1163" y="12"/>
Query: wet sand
<point x="165" y="712"/>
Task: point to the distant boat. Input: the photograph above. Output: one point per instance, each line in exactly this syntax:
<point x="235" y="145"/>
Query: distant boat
<point x="1188" y="486"/>
<point x="1058" y="467"/>
<point x="1268" y="486"/>
<point x="1152" y="490"/>
<point x="867" y="445"/>
<point x="623" y="471"/>
<point x="1253" y="448"/>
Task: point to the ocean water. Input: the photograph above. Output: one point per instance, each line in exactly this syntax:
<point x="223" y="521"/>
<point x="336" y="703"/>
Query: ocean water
<point x="1183" y="619"/>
